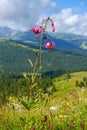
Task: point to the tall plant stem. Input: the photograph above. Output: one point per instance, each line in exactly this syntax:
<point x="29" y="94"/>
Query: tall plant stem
<point x="44" y="26"/>
<point x="34" y="69"/>
<point x="39" y="54"/>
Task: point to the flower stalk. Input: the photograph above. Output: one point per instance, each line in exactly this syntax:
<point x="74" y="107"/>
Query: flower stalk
<point x="37" y="30"/>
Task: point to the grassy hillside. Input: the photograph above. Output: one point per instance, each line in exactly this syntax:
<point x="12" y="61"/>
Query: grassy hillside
<point x="65" y="84"/>
<point x="14" y="58"/>
<point x="65" y="109"/>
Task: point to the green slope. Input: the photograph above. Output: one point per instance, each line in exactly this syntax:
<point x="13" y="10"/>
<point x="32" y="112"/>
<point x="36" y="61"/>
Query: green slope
<point x="65" y="85"/>
<point x="14" y="58"/>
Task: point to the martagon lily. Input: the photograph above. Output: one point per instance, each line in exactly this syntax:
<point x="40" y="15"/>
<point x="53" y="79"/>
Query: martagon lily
<point x="37" y="30"/>
<point x="50" y="46"/>
<point x="52" y="26"/>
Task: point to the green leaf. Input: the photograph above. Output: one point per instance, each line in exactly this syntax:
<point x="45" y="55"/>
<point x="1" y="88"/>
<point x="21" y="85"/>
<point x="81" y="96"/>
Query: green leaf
<point x="25" y="103"/>
<point x="34" y="85"/>
<point x="30" y="62"/>
<point x="23" y="119"/>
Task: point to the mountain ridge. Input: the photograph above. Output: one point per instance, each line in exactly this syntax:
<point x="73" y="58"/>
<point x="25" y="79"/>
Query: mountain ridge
<point x="61" y="40"/>
<point x="15" y="50"/>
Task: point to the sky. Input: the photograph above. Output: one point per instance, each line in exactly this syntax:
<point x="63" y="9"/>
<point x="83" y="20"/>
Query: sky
<point x="69" y="16"/>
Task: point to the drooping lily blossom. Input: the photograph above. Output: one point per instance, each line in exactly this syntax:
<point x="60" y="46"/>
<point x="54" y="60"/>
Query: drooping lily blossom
<point x="37" y="30"/>
<point x="52" y="26"/>
<point x="50" y="45"/>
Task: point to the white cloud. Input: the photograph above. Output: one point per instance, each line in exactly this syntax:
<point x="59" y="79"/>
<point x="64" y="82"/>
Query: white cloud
<point x="19" y="14"/>
<point x="68" y="22"/>
<point x="72" y="20"/>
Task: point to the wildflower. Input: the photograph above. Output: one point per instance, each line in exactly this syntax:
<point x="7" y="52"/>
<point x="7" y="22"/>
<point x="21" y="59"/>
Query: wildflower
<point x="52" y="26"/>
<point x="61" y="116"/>
<point x="53" y="108"/>
<point x="50" y="45"/>
<point x="37" y="30"/>
<point x="12" y="99"/>
<point x="67" y="104"/>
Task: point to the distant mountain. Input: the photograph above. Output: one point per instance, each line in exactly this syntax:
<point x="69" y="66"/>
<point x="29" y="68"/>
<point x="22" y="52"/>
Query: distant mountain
<point x="77" y="40"/>
<point x="14" y="57"/>
<point x="16" y="47"/>
<point x="6" y="32"/>
<point x="62" y="41"/>
<point x="24" y="36"/>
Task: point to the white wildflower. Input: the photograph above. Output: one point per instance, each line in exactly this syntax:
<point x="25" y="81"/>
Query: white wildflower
<point x="52" y="108"/>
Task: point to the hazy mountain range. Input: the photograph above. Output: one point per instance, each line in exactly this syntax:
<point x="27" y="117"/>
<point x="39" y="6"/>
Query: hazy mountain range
<point x="61" y="40"/>
<point x="70" y="53"/>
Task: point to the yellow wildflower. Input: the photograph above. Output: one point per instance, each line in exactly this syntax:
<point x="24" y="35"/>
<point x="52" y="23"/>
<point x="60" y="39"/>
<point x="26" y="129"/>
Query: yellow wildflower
<point x="61" y="116"/>
<point x="68" y="104"/>
<point x="11" y="99"/>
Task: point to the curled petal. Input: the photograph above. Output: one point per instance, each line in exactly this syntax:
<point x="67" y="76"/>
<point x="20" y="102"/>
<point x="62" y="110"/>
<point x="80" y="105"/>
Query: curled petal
<point x="40" y="29"/>
<point x="52" y="26"/>
<point x="33" y="28"/>
<point x="37" y="30"/>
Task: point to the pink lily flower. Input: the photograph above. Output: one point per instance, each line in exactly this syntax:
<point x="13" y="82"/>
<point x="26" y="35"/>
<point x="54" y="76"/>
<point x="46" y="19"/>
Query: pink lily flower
<point x="52" y="26"/>
<point x="37" y="30"/>
<point x="50" y="45"/>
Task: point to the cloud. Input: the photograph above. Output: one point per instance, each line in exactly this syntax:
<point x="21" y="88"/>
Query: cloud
<point x="68" y="22"/>
<point x="18" y="13"/>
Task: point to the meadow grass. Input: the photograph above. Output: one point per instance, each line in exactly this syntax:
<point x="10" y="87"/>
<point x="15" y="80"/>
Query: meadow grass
<point x="65" y="109"/>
